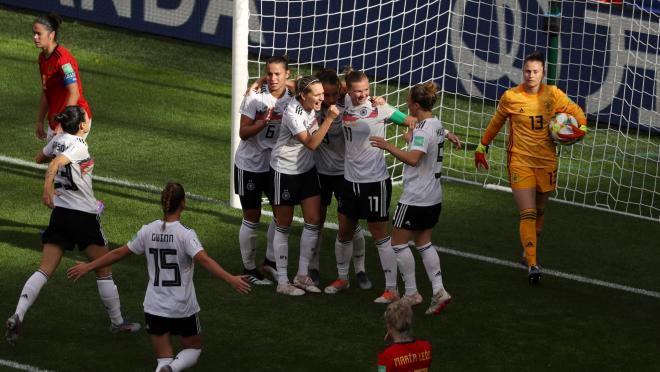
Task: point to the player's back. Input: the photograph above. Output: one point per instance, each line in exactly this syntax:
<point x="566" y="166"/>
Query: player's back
<point x="169" y="252"/>
<point x="413" y="356"/>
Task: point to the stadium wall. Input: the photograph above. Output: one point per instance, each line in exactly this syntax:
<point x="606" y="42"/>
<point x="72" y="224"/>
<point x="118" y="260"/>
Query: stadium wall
<point x="591" y="71"/>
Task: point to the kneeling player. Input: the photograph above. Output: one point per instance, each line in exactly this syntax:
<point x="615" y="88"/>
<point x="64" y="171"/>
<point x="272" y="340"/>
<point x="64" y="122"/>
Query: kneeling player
<point x="170" y="303"/>
<point x="405" y="353"/>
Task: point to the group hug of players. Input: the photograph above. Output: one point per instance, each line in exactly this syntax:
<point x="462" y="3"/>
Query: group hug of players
<point x="302" y="142"/>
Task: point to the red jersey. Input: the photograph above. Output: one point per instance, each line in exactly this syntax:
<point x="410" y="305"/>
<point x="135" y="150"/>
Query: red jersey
<point x="413" y="356"/>
<point x="57" y="72"/>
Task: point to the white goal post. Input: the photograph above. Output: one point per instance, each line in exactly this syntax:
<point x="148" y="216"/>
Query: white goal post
<point x="607" y="60"/>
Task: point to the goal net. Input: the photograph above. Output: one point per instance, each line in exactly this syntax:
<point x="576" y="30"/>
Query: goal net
<point x="607" y="61"/>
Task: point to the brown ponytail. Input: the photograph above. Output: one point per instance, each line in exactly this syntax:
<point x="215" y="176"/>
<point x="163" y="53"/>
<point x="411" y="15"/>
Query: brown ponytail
<point x="171" y="198"/>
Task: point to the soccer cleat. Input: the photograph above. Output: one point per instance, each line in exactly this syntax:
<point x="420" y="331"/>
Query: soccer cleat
<point x="389" y="296"/>
<point x="256" y="277"/>
<point x="534" y="275"/>
<point x="523" y="259"/>
<point x="306" y="283"/>
<point x="13" y="329"/>
<point x="166" y="369"/>
<point x="413" y="299"/>
<point x="269" y="267"/>
<point x="337" y="286"/>
<point x="316" y="276"/>
<point x="438" y="302"/>
<point x="125" y="327"/>
<point x="289" y="289"/>
<point x="363" y="280"/>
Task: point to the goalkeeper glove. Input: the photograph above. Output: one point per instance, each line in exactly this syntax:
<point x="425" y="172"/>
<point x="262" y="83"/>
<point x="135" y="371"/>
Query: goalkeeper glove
<point x="480" y="156"/>
<point x="578" y="133"/>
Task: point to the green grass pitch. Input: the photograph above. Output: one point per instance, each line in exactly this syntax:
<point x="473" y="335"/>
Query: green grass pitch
<point x="161" y="112"/>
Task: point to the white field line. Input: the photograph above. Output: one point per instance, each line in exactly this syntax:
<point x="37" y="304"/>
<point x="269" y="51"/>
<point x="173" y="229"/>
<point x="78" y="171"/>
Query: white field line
<point x="333" y="226"/>
<point x="21" y="367"/>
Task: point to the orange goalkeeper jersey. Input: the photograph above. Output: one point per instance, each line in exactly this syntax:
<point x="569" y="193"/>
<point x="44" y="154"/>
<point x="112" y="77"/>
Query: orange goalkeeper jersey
<point x="529" y="142"/>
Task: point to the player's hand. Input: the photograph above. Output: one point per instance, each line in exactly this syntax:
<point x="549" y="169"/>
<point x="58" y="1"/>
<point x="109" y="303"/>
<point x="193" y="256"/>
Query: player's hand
<point x="455" y="140"/>
<point x="377" y="101"/>
<point x="379" y="142"/>
<point x="254" y="87"/>
<point x="577" y="134"/>
<point x="77" y="271"/>
<point x="480" y="156"/>
<point x="408" y="136"/>
<point x="48" y="196"/>
<point x="39" y="130"/>
<point x="241" y="283"/>
<point x="333" y="112"/>
<point x="410" y="122"/>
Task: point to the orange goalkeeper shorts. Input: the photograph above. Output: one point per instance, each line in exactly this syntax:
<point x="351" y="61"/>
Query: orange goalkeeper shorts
<point x="524" y="177"/>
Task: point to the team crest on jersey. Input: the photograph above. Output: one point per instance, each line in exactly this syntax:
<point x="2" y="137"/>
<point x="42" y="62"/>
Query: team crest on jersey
<point x="548" y="106"/>
<point x="250" y="185"/>
<point x="286" y="195"/>
<point x="364" y="112"/>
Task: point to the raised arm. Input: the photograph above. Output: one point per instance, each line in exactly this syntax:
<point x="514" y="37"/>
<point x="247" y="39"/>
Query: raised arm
<point x="81" y="269"/>
<point x="312" y="141"/>
<point x="239" y="283"/>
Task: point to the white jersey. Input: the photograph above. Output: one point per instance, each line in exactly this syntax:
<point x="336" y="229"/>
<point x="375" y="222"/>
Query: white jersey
<point x="169" y="254"/>
<point x="289" y="155"/>
<point x="364" y="163"/>
<point x="329" y="156"/>
<point x="253" y="154"/>
<point x="421" y="184"/>
<point x="73" y="181"/>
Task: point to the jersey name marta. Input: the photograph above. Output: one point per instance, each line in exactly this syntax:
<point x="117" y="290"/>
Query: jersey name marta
<point x="73" y="181"/>
<point x="253" y="154"/>
<point x="405" y="357"/>
<point x="58" y="71"/>
<point x="329" y="156"/>
<point x="421" y="184"/>
<point x="169" y="254"/>
<point x="364" y="163"/>
<point x="289" y="155"/>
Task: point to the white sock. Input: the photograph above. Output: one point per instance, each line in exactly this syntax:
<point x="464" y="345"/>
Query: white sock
<point x="343" y="253"/>
<point x="281" y="248"/>
<point x="270" y="251"/>
<point x="387" y="261"/>
<point x="162" y="362"/>
<point x="247" y="240"/>
<point x="30" y="292"/>
<point x="406" y="263"/>
<point x="358" y="250"/>
<point x="308" y="240"/>
<point x="314" y="263"/>
<point x="110" y="297"/>
<point x="185" y="359"/>
<point x="432" y="265"/>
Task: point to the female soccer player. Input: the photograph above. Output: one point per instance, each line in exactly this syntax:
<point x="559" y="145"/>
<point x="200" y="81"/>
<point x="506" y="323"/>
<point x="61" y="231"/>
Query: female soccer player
<point x="60" y="81"/>
<point x="329" y="159"/>
<point x="421" y="201"/>
<point x="405" y="353"/>
<point x="261" y="115"/>
<point x="367" y="187"/>
<point x="73" y="222"/>
<point x="295" y="181"/>
<point x="532" y="160"/>
<point x="170" y="303"/>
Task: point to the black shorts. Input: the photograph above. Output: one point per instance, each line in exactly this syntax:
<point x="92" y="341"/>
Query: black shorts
<point x="410" y="217"/>
<point x="69" y="228"/>
<point x="249" y="187"/>
<point x="185" y="327"/>
<point x="290" y="189"/>
<point x="370" y="201"/>
<point x="330" y="185"/>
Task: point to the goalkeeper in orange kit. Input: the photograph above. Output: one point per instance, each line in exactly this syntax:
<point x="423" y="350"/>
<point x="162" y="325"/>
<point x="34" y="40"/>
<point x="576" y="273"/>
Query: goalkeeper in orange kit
<point x="531" y="159"/>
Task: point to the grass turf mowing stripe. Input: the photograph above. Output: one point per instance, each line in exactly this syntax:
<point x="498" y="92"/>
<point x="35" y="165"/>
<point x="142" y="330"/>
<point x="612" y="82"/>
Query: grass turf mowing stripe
<point x="21" y="367"/>
<point x="333" y="226"/>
